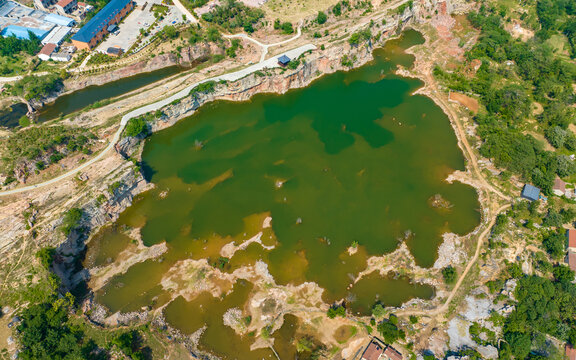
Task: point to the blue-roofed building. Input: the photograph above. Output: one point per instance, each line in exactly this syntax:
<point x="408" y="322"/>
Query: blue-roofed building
<point x="22" y="32"/>
<point x="59" y="20"/>
<point x="283" y="60"/>
<point x="530" y="192"/>
<point x="97" y="27"/>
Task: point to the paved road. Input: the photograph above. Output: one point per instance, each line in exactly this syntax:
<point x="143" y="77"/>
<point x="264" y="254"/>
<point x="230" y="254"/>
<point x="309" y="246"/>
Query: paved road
<point x="185" y="11"/>
<point x="270" y="63"/>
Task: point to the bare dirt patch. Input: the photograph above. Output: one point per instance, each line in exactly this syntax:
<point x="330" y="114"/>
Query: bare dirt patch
<point x="467" y="101"/>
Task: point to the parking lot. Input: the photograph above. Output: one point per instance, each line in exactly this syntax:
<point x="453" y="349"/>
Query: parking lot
<point x="129" y="29"/>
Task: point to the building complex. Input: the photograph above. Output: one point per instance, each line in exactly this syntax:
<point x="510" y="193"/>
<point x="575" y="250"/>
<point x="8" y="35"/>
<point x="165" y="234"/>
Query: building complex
<point x="95" y="29"/>
<point x="18" y="20"/>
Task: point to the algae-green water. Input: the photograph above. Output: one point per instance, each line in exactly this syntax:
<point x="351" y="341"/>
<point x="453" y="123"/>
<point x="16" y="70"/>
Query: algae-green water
<point x="77" y="100"/>
<point x="355" y="158"/>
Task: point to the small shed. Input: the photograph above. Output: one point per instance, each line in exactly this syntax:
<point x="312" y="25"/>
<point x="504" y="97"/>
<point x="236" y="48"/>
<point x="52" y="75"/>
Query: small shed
<point x="283" y="60"/>
<point x="559" y="187"/>
<point x="114" y="51"/>
<point x="61" y="56"/>
<point x="530" y="192"/>
<point x="46" y="51"/>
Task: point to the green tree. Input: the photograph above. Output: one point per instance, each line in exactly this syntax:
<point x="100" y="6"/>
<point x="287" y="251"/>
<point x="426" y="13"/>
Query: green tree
<point x="556" y="136"/>
<point x="337" y="9"/>
<point x="46" y="256"/>
<point x="519" y="344"/>
<point x="449" y="274"/>
<point x="287" y="28"/>
<point x="336" y="310"/>
<point x="378" y="310"/>
<point x="390" y="332"/>
<point x="170" y="32"/>
<point x="136" y="126"/>
<point x="554" y="244"/>
<point x="71" y="220"/>
<point x="562" y="273"/>
<point x="45" y="334"/>
<point x="321" y="18"/>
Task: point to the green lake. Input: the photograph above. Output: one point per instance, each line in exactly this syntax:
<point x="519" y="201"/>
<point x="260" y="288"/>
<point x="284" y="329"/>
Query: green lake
<point x="354" y="157"/>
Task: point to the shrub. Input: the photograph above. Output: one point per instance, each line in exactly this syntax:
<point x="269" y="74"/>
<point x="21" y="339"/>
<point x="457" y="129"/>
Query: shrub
<point x="449" y="275"/>
<point x="321" y="18"/>
<point x="135" y="127"/>
<point x="287" y="28"/>
<point x="46" y="256"/>
<point x="336" y="310"/>
<point x="71" y="220"/>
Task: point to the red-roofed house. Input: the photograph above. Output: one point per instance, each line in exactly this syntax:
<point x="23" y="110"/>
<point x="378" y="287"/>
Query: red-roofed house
<point x="373" y="351"/>
<point x="559" y="187"/>
<point x="392" y="354"/>
<point x="571" y="260"/>
<point x="570" y="352"/>
<point x="47" y="51"/>
<point x="571" y="236"/>
<point x="66" y="6"/>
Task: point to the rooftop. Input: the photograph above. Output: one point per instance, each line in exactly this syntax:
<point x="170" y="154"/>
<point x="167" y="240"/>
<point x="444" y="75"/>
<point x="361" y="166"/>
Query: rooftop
<point x="64" y="3"/>
<point x="571" y="260"/>
<point x="284" y="59"/>
<point x="48" y="49"/>
<point x="57" y="35"/>
<point x="530" y="192"/>
<point x="571" y="235"/>
<point x="559" y="185"/>
<point x="59" y="20"/>
<point x="100" y="20"/>
<point x="21" y="32"/>
<point x="570" y="352"/>
<point x="392" y="353"/>
<point x="114" y="50"/>
<point x="373" y="351"/>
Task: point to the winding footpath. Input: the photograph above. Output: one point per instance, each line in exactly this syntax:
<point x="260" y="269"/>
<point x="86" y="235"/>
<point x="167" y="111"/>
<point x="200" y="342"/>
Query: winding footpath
<point x="265" y="47"/>
<point x="267" y="64"/>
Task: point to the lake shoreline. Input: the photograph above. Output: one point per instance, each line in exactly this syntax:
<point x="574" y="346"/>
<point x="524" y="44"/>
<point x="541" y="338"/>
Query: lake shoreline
<point x="180" y="113"/>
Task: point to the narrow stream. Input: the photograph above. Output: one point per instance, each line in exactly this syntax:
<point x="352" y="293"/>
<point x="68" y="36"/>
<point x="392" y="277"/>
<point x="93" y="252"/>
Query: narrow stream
<point x="10" y="116"/>
<point x="80" y="99"/>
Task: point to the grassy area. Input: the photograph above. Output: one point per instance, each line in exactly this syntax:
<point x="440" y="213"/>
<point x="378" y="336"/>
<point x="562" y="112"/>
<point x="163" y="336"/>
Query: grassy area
<point x="43" y="145"/>
<point x="16" y="64"/>
<point x="559" y="43"/>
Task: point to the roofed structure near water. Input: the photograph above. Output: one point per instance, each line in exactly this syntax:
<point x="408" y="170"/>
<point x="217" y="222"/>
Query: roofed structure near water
<point x="530" y="192"/>
<point x="283" y="60"/>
